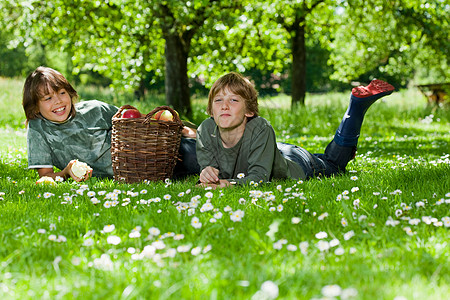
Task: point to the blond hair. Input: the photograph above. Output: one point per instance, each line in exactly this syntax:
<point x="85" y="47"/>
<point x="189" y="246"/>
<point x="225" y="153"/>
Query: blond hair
<point x="239" y="85"/>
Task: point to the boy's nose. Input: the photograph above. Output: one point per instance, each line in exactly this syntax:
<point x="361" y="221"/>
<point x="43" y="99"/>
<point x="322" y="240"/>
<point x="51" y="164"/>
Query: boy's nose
<point x="57" y="98"/>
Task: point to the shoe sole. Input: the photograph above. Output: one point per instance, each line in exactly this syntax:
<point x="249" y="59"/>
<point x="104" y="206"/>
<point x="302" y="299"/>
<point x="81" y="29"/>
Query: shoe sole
<point x="374" y="88"/>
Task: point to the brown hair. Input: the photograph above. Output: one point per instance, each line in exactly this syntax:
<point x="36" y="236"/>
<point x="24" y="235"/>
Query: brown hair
<point x="38" y="84"/>
<point x="239" y="85"/>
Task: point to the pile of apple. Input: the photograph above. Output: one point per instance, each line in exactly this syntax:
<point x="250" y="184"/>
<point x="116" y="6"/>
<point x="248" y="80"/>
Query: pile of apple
<point x="162" y="115"/>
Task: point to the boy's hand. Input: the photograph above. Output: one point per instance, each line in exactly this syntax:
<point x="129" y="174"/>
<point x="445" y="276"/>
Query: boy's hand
<point x="189" y="132"/>
<point x="222" y="183"/>
<point x="68" y="171"/>
<point x="209" y="175"/>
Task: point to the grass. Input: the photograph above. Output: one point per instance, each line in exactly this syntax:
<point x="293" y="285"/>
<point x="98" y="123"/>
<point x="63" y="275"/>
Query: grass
<point x="386" y="221"/>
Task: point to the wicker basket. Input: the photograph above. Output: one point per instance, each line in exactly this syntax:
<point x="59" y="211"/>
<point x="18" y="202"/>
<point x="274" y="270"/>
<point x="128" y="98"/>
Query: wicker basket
<point x="144" y="149"/>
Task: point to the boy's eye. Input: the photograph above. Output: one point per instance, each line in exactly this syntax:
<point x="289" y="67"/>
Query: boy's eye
<point x="217" y="100"/>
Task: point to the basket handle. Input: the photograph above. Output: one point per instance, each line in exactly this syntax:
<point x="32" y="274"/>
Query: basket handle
<point x="176" y="117"/>
<point x="121" y="109"/>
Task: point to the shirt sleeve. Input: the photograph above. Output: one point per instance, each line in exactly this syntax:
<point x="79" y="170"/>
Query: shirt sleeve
<point x="110" y="111"/>
<point x="39" y="152"/>
<point x="204" y="146"/>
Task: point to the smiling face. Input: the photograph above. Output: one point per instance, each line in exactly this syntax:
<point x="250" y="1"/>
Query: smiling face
<point x="45" y="94"/>
<point x="229" y="110"/>
<point x="56" y="105"/>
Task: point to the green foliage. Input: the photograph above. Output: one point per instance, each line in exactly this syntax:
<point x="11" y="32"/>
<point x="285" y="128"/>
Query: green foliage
<point x="349" y="40"/>
<point x="399" y="38"/>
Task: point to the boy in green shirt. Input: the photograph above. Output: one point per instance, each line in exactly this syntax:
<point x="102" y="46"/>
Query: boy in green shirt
<point x="61" y="131"/>
<point x="236" y="146"/>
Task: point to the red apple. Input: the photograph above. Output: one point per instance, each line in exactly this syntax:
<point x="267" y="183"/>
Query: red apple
<point x="163" y="115"/>
<point x="131" y="113"/>
<point x="166" y="116"/>
<point x="157" y="115"/>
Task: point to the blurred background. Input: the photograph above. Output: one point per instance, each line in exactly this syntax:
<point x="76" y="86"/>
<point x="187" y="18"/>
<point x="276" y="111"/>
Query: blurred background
<point x="179" y="48"/>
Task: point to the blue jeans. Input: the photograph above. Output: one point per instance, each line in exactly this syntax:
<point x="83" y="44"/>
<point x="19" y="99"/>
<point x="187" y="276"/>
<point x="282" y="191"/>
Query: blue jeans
<point x="187" y="163"/>
<point x="332" y="162"/>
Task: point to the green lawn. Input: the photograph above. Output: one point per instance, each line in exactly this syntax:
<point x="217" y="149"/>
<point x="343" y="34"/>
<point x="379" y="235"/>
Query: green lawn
<point x="381" y="231"/>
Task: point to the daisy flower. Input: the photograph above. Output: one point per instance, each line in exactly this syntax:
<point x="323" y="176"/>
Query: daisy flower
<point x="339" y="251"/>
<point x="88" y="242"/>
<point x="348" y="235"/>
<point x="206" y="207"/>
<point x="303" y="246"/>
<point x="195" y="222"/>
<point x="334" y="242"/>
<point x="48" y="195"/>
<point x="109" y="228"/>
<point x="237" y="216"/>
<point x="196" y="251"/>
<point x="322" y="216"/>
<point x="183" y="248"/>
<point x="331" y="291"/>
<point x="295" y="220"/>
<point x="321" y="235"/>
<point x="291" y="247"/>
<point x="323" y="245"/>
<point x="134" y="234"/>
<point x="113" y="240"/>
<point x="178" y="237"/>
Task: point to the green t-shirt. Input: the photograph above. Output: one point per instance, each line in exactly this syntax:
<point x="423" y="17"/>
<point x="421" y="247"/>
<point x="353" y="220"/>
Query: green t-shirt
<point x="256" y="155"/>
<point x="86" y="137"/>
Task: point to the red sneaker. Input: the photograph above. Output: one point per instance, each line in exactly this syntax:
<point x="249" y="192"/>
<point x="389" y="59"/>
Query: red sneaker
<point x="376" y="87"/>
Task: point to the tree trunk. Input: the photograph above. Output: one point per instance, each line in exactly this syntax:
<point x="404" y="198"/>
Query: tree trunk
<point x="298" y="66"/>
<point x="176" y="81"/>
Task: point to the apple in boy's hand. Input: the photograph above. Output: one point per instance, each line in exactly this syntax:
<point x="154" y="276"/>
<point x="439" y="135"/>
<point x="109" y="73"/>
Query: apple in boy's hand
<point x="79" y="169"/>
<point x="131" y="114"/>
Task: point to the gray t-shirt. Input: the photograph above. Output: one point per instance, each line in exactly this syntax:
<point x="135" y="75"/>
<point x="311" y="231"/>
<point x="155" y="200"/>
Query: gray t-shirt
<point x="256" y="155"/>
<point x="86" y="137"/>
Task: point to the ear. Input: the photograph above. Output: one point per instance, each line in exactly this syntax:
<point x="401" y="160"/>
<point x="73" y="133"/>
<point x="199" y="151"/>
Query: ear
<point x="249" y="114"/>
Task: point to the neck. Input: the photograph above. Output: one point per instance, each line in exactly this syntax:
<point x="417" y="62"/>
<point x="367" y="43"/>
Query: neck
<point x="230" y="137"/>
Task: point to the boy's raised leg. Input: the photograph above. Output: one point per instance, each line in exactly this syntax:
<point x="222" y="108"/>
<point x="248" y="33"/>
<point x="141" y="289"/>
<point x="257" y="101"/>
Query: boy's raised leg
<point x="361" y="99"/>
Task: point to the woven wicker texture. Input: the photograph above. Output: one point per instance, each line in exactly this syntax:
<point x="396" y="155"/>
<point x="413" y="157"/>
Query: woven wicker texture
<point x="142" y="148"/>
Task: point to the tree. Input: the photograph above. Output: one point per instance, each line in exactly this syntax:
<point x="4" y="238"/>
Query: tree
<point x="392" y="37"/>
<point x="124" y="39"/>
<point x="271" y="36"/>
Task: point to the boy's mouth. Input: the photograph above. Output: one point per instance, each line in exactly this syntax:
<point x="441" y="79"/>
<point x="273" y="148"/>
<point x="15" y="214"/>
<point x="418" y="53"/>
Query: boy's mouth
<point x="59" y="110"/>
